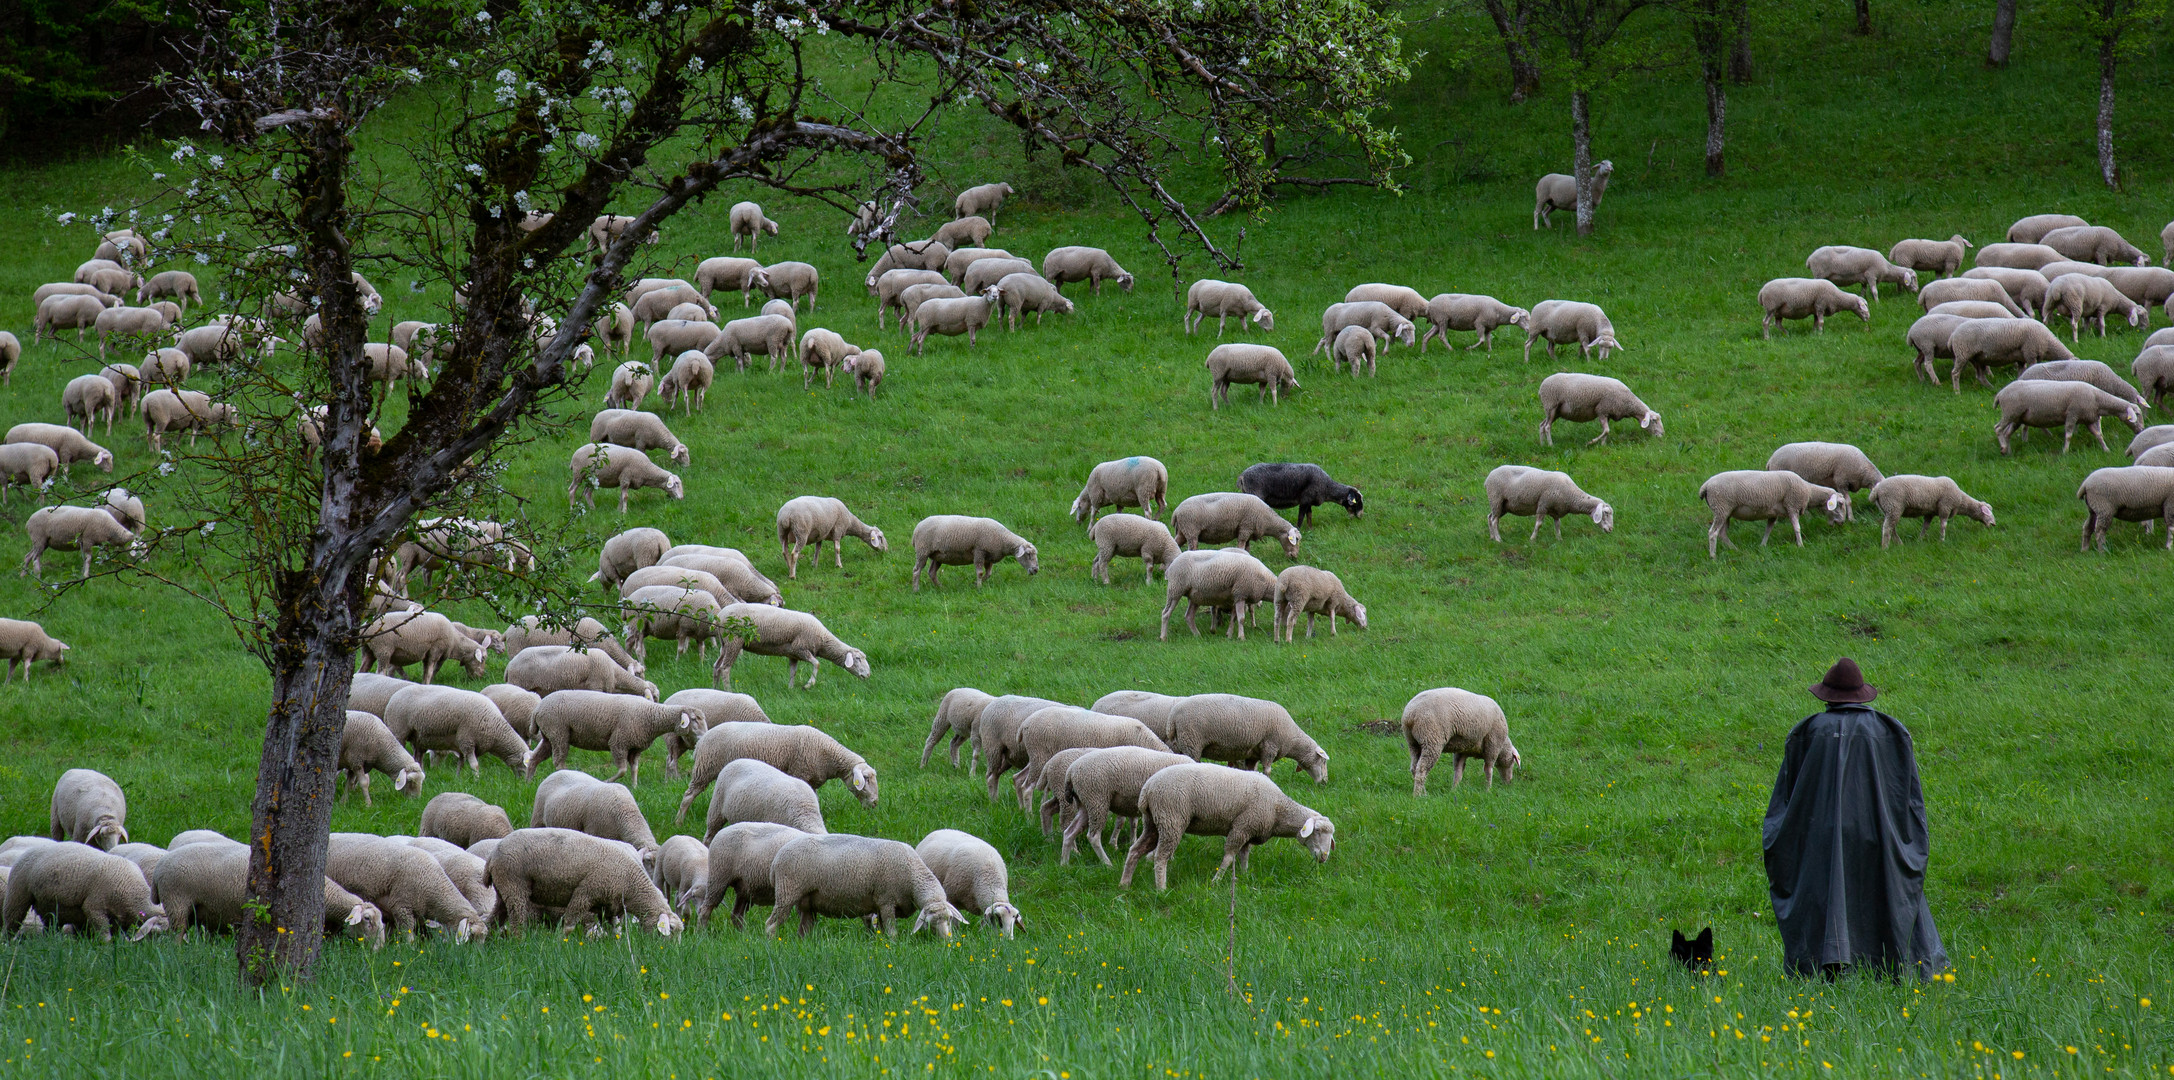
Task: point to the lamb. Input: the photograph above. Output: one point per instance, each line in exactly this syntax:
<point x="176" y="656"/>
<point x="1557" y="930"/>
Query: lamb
<point x="2127" y="493"/>
<point x="2084" y="298"/>
<point x="967" y="231"/>
<point x="183" y="410"/>
<point x="805" y="753"/>
<point x="725" y="273"/>
<point x="87" y="397"/>
<point x="619" y="723"/>
<point x="2150" y="437"/>
<point x="1758" y="495"/>
<point x="544" y="669"/>
<point x="739" y="860"/>
<point x="1846" y="265"/>
<point x="2087" y="371"/>
<point x="1470" y="311"/>
<point x="973" y="876"/>
<point x="67" y="444"/>
<point x="623" y="467"/>
<point x="1559" y="191"/>
<point x="2153" y="367"/>
<point x="1310" y="591"/>
<point x="2018" y="256"/>
<point x="389" y="364"/>
<point x="405" y="883"/>
<point x="66" y="312"/>
<point x="396" y="639"/>
<point x="891" y="287"/>
<point x="79" y="885"/>
<point x="735" y="572"/>
<point x="750" y="789"/>
<point x="614" y="329"/>
<point x="460" y="722"/>
<point x="822" y="350"/>
<point x="24" y="642"/>
<point x="630" y="383"/>
<point x="108" y="276"/>
<point x="581" y="876"/>
<point x="1966" y="288"/>
<point x="206" y="884"/>
<point x="1104" y="783"/>
<point x="2094" y="243"/>
<point x="1378" y="318"/>
<point x="2026" y="287"/>
<point x="127" y="383"/>
<point x="1021" y="292"/>
<point x="1463" y="725"/>
<point x="1972" y="309"/>
<point x="815" y="518"/>
<point x="2030" y="229"/>
<point x="770" y="335"/>
<point x="1519" y="489"/>
<point x="866" y="367"/>
<point x="952" y="316"/>
<point x="912" y="297"/>
<point x="1354" y="346"/>
<point x="673" y="613"/>
<point x="144" y="324"/>
<point x="532" y="632"/>
<point x="1244" y="808"/>
<point x="981" y="199"/>
<point x="211" y="343"/>
<point x="996" y="735"/>
<point x="1230" y="579"/>
<point x="955" y="716"/>
<point x="1927" y="497"/>
<point x="682" y="872"/>
<point x="1571" y="396"/>
<point x="963" y="258"/>
<point x="572" y="799"/>
<point x="671" y="337"/>
<point x="919" y="255"/>
<point x="1562" y="322"/>
<point x="1131" y="536"/>
<point x="718" y="707"/>
<point x="11" y="351"/>
<point x="2041" y="403"/>
<point x="640" y="430"/>
<point x="956" y="540"/>
<point x="89" y="808"/>
<point x="1237" y="517"/>
<point x="1259" y="365"/>
<point x="1224" y="299"/>
<point x="1836" y="465"/>
<point x="1089" y="264"/>
<point x="29" y="464"/>
<point x="791" y="281"/>
<point x="1283" y="485"/>
<point x="462" y="819"/>
<point x="72" y="528"/>
<point x="72" y="288"/>
<point x="366" y="744"/>
<point x="1047" y="731"/>
<point x="855" y="877"/>
<point x="1982" y="343"/>
<point x="796" y="635"/>
<point x="688" y="381"/>
<point x="1933" y="256"/>
<point x="677" y="577"/>
<point x="628" y="551"/>
<point x="1130" y="481"/>
<point x="747" y="219"/>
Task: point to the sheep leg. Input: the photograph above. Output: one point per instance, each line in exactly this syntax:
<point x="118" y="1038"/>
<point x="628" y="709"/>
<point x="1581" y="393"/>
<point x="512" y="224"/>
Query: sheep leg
<point x="981" y="568"/>
<point x="2098" y="432"/>
<point x="1768" y="534"/>
<point x="1794" y="523"/>
<point x="2068" y="434"/>
<point x="837" y="551"/>
<point x="1191" y="606"/>
<point x="1457" y="771"/>
<point x="1234" y="847"/>
<point x="1921" y="533"/>
<point x="1422" y="763"/>
<point x="1166" y="609"/>
<point x="1602" y="437"/>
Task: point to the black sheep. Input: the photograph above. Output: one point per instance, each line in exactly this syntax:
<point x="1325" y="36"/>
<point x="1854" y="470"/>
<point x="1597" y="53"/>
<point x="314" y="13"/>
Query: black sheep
<point x="1287" y="484"/>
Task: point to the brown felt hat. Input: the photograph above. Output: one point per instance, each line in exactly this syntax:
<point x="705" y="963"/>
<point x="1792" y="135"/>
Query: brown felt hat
<point x="1844" y="684"/>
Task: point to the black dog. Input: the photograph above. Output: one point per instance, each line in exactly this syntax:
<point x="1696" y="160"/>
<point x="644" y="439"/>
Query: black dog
<point x="1695" y="954"/>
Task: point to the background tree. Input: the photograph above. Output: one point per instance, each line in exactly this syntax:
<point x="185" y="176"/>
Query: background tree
<point x="2113" y="29"/>
<point x="1590" y="35"/>
<point x="1716" y="28"/>
<point x="1996" y="49"/>
<point x="571" y="111"/>
<point x="1513" y="24"/>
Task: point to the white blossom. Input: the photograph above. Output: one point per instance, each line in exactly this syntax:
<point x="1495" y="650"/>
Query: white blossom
<point x="741" y="108"/>
<point x="184" y="152"/>
<point x="587" y="142"/>
<point x="474" y="169"/>
<point x="217" y="161"/>
<point x="66" y="218"/>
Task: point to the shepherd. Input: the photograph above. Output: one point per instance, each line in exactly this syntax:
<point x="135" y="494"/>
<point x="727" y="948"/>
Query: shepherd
<point x="1846" y="841"/>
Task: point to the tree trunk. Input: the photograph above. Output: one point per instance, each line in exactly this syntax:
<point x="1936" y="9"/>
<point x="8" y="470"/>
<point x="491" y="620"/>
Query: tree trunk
<point x="1710" y="36"/>
<point x="1717" y="117"/>
<point x="2107" y="171"/>
<point x="1864" y="18"/>
<point x="1524" y="72"/>
<point x="1996" y="53"/>
<point x="1581" y="141"/>
<point x="1740" y="61"/>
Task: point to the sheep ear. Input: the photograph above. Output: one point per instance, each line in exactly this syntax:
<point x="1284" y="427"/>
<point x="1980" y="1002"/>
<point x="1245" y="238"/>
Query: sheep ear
<point x="1306" y="830"/>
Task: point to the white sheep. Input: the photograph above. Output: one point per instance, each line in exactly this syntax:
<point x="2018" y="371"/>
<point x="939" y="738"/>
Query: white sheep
<point x="823" y="350"/>
<point x="919" y="255"/>
<point x="952" y="316"/>
<point x="1258" y="365"/>
<point x="66" y="312"/>
<point x="2018" y="256"/>
<point x="140" y="324"/>
<point x="533" y="632"/>
<point x="80" y="886"/>
<point x="973" y="876"/>
<point x="751" y="789"/>
<point x="1379" y="319"/>
<point x="1106" y="783"/>
<point x="1129" y="481"/>
<point x="1053" y="729"/>
<point x="967" y="231"/>
<point x="2085" y="298"/>
<point x="1968" y="288"/>
<point x="1933" y="256"/>
<point x="396" y="639"/>
<point x="462" y="819"/>
<point x="738" y="576"/>
<point x="1758" y="495"/>
<point x="1231" y="517"/>
<point x="1312" y="591"/>
<point x="1134" y="537"/>
<point x="2042" y="403"/>
<point x="672" y="612"/>
<point x="747" y="219"/>
<point x="628" y="551"/>
<point x="1021" y="292"/>
<point x="957" y="540"/>
<point x="184" y="410"/>
<point x="1566" y="322"/>
<point x="866" y="367"/>
<point x="1089" y="264"/>
<point x="740" y="856"/>
<point x="2127" y="493"/>
<point x="1544" y="495"/>
<point x="72" y="528"/>
<point x="955" y="716"/>
<point x="1972" y="309"/>
<point x="1470" y="311"/>
<point x="630" y="383"/>
<point x="671" y="337"/>
<point x="678" y="577"/>
<point x="2028" y="230"/>
<point x="25" y="642"/>
<point x="815" y="519"/>
<point x="1577" y="397"/>
<point x="996" y="734"/>
<point x="797" y="636"/>
<point x="1836" y="465"/>
<point x="572" y="799"/>
<point x="2086" y="371"/>
<point x="1559" y="191"/>
<point x="596" y="465"/>
<point x="2094" y="243"/>
<point x="621" y="724"/>
<point x="67" y="444"/>
<point x="890" y="289"/>
<point x="1245" y="808"/>
<point x="803" y="752"/>
<point x="1224" y="299"/>
<point x="608" y="229"/>
<point x="1928" y="497"/>
<point x="981" y="200"/>
<point x="1354" y="346"/>
<point x="366" y="744"/>
<point x="688" y="381"/>
<point x="962" y="259"/>
<point x="1845" y="265"/>
<point x="1228" y="579"/>
<point x="11" y="351"/>
<point x="28" y="464"/>
<point x="1462" y="724"/>
<point x="913" y="296"/>
<point x="2026" y="287"/>
<point x="682" y="872"/>
<point x="2153" y="368"/>
<point x="1813" y="298"/>
<point x="639" y="430"/>
<point x="86" y="397"/>
<point x="583" y="877"/>
<point x="790" y="281"/>
<point x="206" y="884"/>
<point x="89" y="808"/>
<point x="725" y="273"/>
<point x="853" y="877"/>
<point x="464" y="723"/>
<point x="542" y="669"/>
<point x="1979" y="344"/>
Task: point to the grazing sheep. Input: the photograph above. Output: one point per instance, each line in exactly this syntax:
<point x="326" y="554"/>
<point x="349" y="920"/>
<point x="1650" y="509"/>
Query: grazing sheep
<point x="1021" y="292"/>
<point x="366" y="744"/>
<point x="1055" y="728"/>
<point x="688" y="381"/>
<point x="1148" y="708"/>
<point x="679" y="577"/>
<point x="739" y="577"/>
<point x="72" y="288"/>
<point x="1758" y="495"/>
<point x="1927" y="497"/>
<point x="28" y="464"/>
<point x="751" y="789"/>
<point x="725" y="274"/>
<point x="1377" y="318"/>
<point x="469" y="873"/>
<point x="67" y="444"/>
<point x="127" y="383"/>
<point x="389" y="364"/>
<point x="396" y="639"/>
<point x="1571" y="396"/>
<point x="184" y="410"/>
<point x="2086" y="371"/>
<point x="544" y="669"/>
<point x="143" y="324"/>
<point x="207" y="884"/>
<point x="1979" y="344"/>
<point x="462" y="819"/>
<point x="1247" y="732"/>
<point x="72" y="528"/>
<point x="718" y="707"/>
<point x="671" y="337"/>
<point x="608" y="229"/>
<point x="1559" y="191"/>
<point x="1260" y="365"/>
<point x="673" y="613"/>
<point x="682" y="872"/>
<point x="614" y="329"/>
<point x="2127" y="493"/>
<point x="87" y="397"/>
<point x="1311" y="591"/>
<point x="66" y="312"/>
<point x="1972" y="309"/>
<point x="1355" y="346"/>
<point x="2166" y="239"/>
<point x="80" y="886"/>
<point x="89" y="808"/>
<point x="630" y="383"/>
<point x="1966" y="288"/>
<point x="2094" y="243"/>
<point x="981" y="199"/>
<point x="2151" y="437"/>
<point x="1544" y="495"/>
<point x="822" y="350"/>
<point x="1243" y="807"/>
<point x="973" y="876"/>
<point x="805" y="753"/>
<point x="164" y="367"/>
<point x="584" y="878"/>
<point x="996" y="735"/>
<point x="464" y="723"/>
<point x="1563" y="322"/>
<point x="108" y="276"/>
<point x="1131" y="536"/>
<point x="1846" y="265"/>
<point x="630" y="550"/>
<point x="1239" y="517"/>
<point x="2087" y="299"/>
<point x="532" y="632"/>
<point x="866" y="367"/>
<point x="919" y="255"/>
<point x="25" y="642"/>
<point x="855" y="877"/>
<point x="572" y="799"/>
<point x="890" y="290"/>
<point x="1224" y="299"/>
<point x="962" y="259"/>
<point x="770" y="335"/>
<point x="2153" y="367"/>
<point x="11" y="351"/>
<point x="814" y="519"/>
<point x="1836" y="465"/>
<point x="621" y="724"/>
<point x="2042" y="403"/>
<point x="1470" y="311"/>
<point x="1130" y="481"/>
<point x="956" y="540"/>
<point x="1230" y="579"/>
<point x="623" y="467"/>
<point x="1933" y="256"/>
<point x="1462" y="724"/>
<point x="1089" y="264"/>
<point x="125" y="508"/>
<point x="790" y="281"/>
<point x="1104" y="783"/>
<point x="912" y="297"/>
<point x="952" y="316"/>
<point x="740" y="857"/>
<point x="1283" y="485"/>
<point x="2030" y="229"/>
<point x="797" y="636"/>
<point x="2026" y="287"/>
<point x="747" y="219"/>
<point x="1403" y="300"/>
<point x="968" y="231"/>
<point x="2147" y="285"/>
<point x="2018" y="256"/>
<point x="369" y="692"/>
<point x="955" y="715"/>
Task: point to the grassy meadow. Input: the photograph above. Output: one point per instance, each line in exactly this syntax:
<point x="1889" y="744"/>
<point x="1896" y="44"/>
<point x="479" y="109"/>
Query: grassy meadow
<point x="1647" y="686"/>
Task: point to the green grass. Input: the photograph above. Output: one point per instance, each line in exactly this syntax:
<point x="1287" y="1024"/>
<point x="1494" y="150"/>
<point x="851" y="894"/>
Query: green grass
<point x="1648" y="687"/>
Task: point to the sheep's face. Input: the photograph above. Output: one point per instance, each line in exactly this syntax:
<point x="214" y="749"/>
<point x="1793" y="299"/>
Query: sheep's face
<point x="1029" y="559"/>
<point x="680" y="454"/>
<point x="1508" y="761"/>
<point x="668" y="923"/>
<point x="1651" y="421"/>
<point x="1983" y="512"/>
<point x="1909" y="279"/>
<point x="1290" y="543"/>
<point x="1357" y="614"/>
<point x="1604" y="516"/>
<point x="863" y="783"/>
<point x="1265" y="319"/>
<point x="691" y="722"/>
<point x="107" y="834"/>
<point x="939" y="916"/>
<point x="856" y="662"/>
<point x="470" y="929"/>
<point x="677" y="488"/>
<point x="1005" y="916"/>
<point x="1837" y="506"/>
<point x="473" y="661"/>
<point x="410" y="776"/>
<point x="1319" y="836"/>
<point x="2138" y="315"/>
<point x="1863" y="310"/>
<point x="876" y="542"/>
<point x="368" y="924"/>
<point x="1353" y="502"/>
<point x="2133" y="417"/>
<point x="1404" y="332"/>
<point x="1316" y="764"/>
<point x="104" y="460"/>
